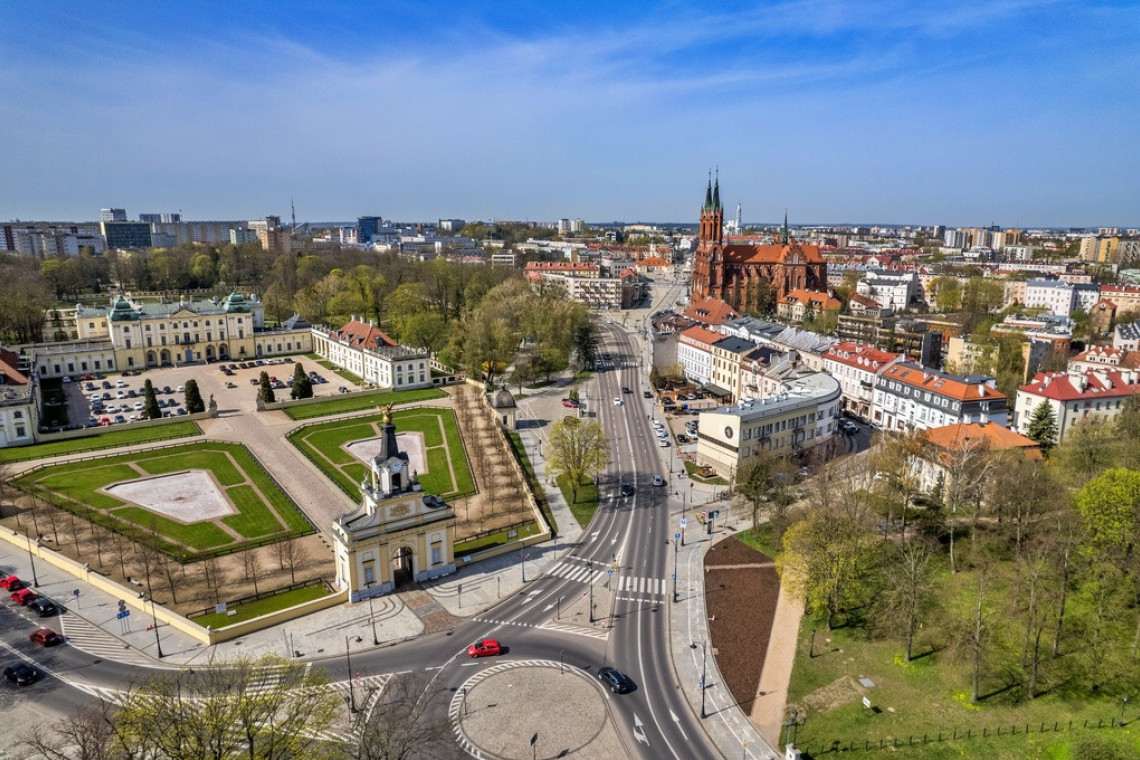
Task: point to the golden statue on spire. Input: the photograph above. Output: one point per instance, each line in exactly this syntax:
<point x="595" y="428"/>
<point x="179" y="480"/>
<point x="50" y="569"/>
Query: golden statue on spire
<point x="386" y="409"/>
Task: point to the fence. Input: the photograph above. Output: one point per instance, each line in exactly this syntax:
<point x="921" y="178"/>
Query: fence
<point x="913" y="740"/>
<point x="264" y="595"/>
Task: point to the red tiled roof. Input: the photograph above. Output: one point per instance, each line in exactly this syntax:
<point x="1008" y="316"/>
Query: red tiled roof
<point x="9" y="375"/>
<point x="817" y="299"/>
<point x="864" y="301"/>
<point x="954" y="437"/>
<point x="860" y="355"/>
<point x="653" y="261"/>
<point x="711" y="311"/>
<point x="363" y="335"/>
<point x="702" y="335"/>
<point x="947" y="385"/>
<point x="1062" y="386"/>
<point x="770" y="254"/>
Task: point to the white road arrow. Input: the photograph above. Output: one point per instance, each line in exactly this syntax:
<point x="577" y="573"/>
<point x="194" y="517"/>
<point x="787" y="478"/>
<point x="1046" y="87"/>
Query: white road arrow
<point x="639" y="731"/>
<point x="677" y="720"/>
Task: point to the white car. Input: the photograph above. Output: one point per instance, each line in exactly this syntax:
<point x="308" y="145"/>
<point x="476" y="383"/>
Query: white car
<point x="138" y="406"/>
<point x="617" y="401"/>
<point x="658" y="480"/>
<point x="663" y="442"/>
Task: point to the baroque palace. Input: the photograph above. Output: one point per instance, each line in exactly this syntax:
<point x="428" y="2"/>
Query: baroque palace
<point x="751" y="277"/>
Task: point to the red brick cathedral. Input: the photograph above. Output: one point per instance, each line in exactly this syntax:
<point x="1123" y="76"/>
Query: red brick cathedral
<point x="750" y="277"/>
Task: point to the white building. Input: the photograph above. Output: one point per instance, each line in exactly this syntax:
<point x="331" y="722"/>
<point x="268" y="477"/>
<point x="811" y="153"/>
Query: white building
<point x="910" y="396"/>
<point x="1074" y="396"/>
<point x="858" y="367"/>
<point x="897" y="290"/>
<point x="694" y="353"/>
<point x="1060" y="297"/>
<point x="366" y="351"/>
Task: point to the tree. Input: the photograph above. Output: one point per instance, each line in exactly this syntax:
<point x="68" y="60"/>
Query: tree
<point x="1110" y="510"/>
<point x="224" y="713"/>
<point x="1088" y="448"/>
<point x="194" y="403"/>
<point x="578" y="449"/>
<point x="150" y="402"/>
<point x="586" y="344"/>
<point x="427" y="330"/>
<point x="907" y="592"/>
<point x="1043" y="426"/>
<point x="403" y="723"/>
<point x="89" y="733"/>
<point x="825" y="561"/>
<point x="302" y="383"/>
<point x="291" y="555"/>
<point x="265" y="390"/>
<point x="763" y="485"/>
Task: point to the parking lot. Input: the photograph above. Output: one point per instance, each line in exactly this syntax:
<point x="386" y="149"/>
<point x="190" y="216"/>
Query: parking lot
<point x="121" y="396"/>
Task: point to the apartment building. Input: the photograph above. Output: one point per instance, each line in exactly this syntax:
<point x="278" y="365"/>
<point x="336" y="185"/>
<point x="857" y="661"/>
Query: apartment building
<point x="857" y="367"/>
<point x="1075" y="395"/>
<point x="365" y="350"/>
<point x="910" y="395"/>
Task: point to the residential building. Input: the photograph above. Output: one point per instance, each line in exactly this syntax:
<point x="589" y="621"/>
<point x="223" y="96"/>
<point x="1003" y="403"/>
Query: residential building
<point x="910" y="395"/>
<point x="125" y="235"/>
<point x="1127" y="336"/>
<point x="898" y="290"/>
<point x="451" y="225"/>
<point x="596" y="292"/>
<point x="1075" y="395"/>
<point x="1100" y="357"/>
<point x="204" y="232"/>
<point x="1060" y="297"/>
<point x="724" y="377"/>
<point x="935" y="466"/>
<point x="804" y="415"/>
<point x="694" y="353"/>
<point x="798" y="305"/>
<point x="113" y="214"/>
<point x="858" y="367"/>
<point x="754" y="367"/>
<point x="366" y="228"/>
<point x="711" y="312"/>
<point x="1126" y="297"/>
<point x="18" y="402"/>
<point x="366" y="351"/>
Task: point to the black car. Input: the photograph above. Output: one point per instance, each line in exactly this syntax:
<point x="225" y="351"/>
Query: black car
<point x="618" y="682"/>
<point x="21" y="673"/>
<point x="626" y="489"/>
<point x="626" y="390"/>
<point x="43" y="607"/>
<point x="647" y="394"/>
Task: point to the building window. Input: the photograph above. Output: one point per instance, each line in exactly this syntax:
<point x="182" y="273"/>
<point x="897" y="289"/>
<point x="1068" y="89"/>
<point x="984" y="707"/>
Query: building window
<point x="369" y="575"/>
<point x="20" y="431"/>
<point x="436" y="556"/>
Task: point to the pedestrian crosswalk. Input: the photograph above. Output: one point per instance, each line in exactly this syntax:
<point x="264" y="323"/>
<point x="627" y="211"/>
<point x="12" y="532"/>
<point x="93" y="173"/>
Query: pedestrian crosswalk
<point x="636" y="585"/>
<point x="574" y="569"/>
<point x="85" y="635"/>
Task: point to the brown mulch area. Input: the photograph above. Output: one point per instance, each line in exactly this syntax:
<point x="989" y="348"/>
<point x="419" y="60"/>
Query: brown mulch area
<point x="741" y="601"/>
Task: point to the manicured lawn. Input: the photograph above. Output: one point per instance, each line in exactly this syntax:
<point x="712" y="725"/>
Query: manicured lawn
<point x="250" y="610"/>
<point x="105" y="438"/>
<point x="495" y="539"/>
<point x="264" y="510"/>
<point x="691" y="468"/>
<point x="587" y="504"/>
<point x="448" y="473"/>
<point x="535" y="486"/>
<point x="355" y="402"/>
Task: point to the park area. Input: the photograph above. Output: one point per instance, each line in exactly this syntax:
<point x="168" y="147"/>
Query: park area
<point x="188" y="501"/>
<point x="430" y="436"/>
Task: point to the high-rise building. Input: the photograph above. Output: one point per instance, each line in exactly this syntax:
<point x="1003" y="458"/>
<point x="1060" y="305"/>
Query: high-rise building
<point x="160" y="218"/>
<point x="113" y="214"/>
<point x="366" y="228"/>
<point x="126" y="234"/>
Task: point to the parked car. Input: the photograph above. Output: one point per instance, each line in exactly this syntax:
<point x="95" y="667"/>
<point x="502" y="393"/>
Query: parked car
<point x="138" y="407"/>
<point x="485" y="648"/>
<point x="624" y="389"/>
<point x="23" y="596"/>
<point x="21" y="673"/>
<point x="43" y="607"/>
<point x="658" y="480"/>
<point x="569" y="402"/>
<point x="342" y="389"/>
<point x="663" y="442"/>
<point x="11" y="583"/>
<point x="615" y="680"/>
<point x="647" y="394"/>
<point x="166" y="389"/>
<point x="231" y="384"/>
<point x="46" y="637"/>
<point x="180" y="389"/>
<point x="181" y="412"/>
<point x="120" y="419"/>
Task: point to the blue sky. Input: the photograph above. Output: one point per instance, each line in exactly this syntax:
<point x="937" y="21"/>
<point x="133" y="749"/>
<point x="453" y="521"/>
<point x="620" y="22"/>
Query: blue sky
<point x="1013" y="112"/>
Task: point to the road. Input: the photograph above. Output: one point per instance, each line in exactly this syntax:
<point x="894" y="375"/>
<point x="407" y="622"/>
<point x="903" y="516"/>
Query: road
<point x="626" y="551"/>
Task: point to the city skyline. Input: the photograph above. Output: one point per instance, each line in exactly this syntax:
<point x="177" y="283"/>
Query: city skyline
<point x="1013" y="113"/>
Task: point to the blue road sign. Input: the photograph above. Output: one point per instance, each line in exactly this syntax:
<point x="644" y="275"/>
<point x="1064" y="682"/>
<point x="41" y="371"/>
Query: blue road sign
<point x="672" y="576"/>
<point x="75" y="592"/>
<point x="609" y="572"/>
<point x="123" y="614"/>
<point x="677" y="536"/>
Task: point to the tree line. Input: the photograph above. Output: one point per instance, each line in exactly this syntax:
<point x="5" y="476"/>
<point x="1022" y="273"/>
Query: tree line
<point x="1023" y="568"/>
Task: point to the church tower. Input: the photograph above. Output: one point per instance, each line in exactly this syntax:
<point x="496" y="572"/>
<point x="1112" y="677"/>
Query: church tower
<point x="710" y="240"/>
<point x="712" y="216"/>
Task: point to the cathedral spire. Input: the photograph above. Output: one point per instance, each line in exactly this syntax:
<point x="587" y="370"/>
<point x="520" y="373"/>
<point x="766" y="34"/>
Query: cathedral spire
<point x="784" y="232"/>
<point x="708" y="195"/>
<point x="716" y="191"/>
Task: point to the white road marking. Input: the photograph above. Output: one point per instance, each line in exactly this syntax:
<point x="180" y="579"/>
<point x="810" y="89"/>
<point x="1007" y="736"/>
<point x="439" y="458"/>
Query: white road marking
<point x="639" y="731"/>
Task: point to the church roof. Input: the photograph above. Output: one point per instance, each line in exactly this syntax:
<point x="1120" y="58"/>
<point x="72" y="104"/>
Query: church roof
<point x="770" y="254"/>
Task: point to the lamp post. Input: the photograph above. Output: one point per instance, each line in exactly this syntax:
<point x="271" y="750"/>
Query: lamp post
<point x="676" y="547"/>
<point x="154" y="619"/>
<point x="372" y="616"/>
<point x="704" y="674"/>
<point x="32" y="557"/>
<point x="348" y="662"/>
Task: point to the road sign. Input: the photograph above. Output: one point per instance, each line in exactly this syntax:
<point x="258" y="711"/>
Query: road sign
<point x="676" y="536"/>
<point x="123" y="614"/>
<point x="75" y="592"/>
<point x="609" y="572"/>
<point x="683" y="523"/>
<point x="122" y="604"/>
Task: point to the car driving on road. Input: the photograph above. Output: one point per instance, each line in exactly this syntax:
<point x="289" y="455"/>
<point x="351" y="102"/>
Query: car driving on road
<point x="615" y="680"/>
<point x="485" y="648"/>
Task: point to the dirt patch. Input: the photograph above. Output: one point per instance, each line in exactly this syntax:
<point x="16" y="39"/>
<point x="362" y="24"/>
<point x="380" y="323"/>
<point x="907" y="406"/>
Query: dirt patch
<point x="841" y="691"/>
<point x="741" y="590"/>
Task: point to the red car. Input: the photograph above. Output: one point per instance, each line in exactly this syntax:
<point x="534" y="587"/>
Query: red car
<point x="46" y="637"/>
<point x="569" y="402"/>
<point x="12" y="583"/>
<point x="23" y="596"/>
<point x="485" y="648"/>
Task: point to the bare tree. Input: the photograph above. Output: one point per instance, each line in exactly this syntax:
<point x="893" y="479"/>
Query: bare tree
<point x="402" y="723"/>
<point x="89" y="733"/>
<point x="908" y="589"/>
<point x="251" y="567"/>
<point x="213" y="575"/>
<point x="291" y="555"/>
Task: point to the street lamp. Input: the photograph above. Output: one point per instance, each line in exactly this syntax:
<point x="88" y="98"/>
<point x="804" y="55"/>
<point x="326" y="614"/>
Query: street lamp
<point x="154" y="618"/>
<point x="704" y="675"/>
<point x="372" y="615"/>
<point x="675" y="549"/>
<point x="348" y="662"/>
<point x="31" y="557"/>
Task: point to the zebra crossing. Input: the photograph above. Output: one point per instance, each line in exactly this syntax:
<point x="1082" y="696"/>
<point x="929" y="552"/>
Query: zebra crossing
<point x="632" y="584"/>
<point x="575" y="571"/>
<point x="577" y="630"/>
<point x="630" y="588"/>
<point x="93" y="640"/>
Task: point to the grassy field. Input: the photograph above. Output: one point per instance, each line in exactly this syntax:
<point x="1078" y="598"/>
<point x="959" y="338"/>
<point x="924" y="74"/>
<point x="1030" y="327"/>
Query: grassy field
<point x="922" y="709"/>
<point x="587" y="504"/>
<point x="448" y="472"/>
<point x="263" y="510"/>
<point x="532" y="479"/>
<point x="496" y="539"/>
<point x="356" y="402"/>
<point x="250" y="610"/>
<point x="102" y="438"/>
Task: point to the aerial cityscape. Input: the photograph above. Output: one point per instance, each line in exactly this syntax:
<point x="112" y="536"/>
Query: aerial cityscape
<point x="624" y="382"/>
